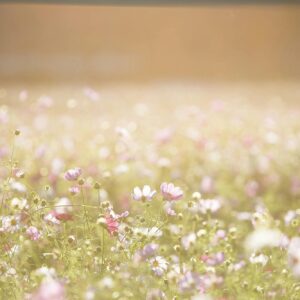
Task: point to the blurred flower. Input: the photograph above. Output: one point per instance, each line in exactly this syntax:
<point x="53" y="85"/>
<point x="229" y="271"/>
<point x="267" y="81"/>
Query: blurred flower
<point x="148" y="231"/>
<point x="170" y="192"/>
<point x="207" y="185"/>
<point x="74" y="190"/>
<point x="209" y="205"/>
<point x="294" y="256"/>
<point x="259" y="259"/>
<point x="148" y="251"/>
<point x="295" y="186"/>
<point x="19" y="203"/>
<point x="155" y="294"/>
<point x="188" y="240"/>
<point x="263" y="237"/>
<point x="73" y="174"/>
<point x="33" y="233"/>
<point x="143" y="194"/>
<point x="214" y="259"/>
<point x="50" y="290"/>
<point x="62" y="209"/>
<point x="251" y="188"/>
<point x="164" y="135"/>
<point x="159" y="265"/>
<point x="18" y="173"/>
<point x="112" y="225"/>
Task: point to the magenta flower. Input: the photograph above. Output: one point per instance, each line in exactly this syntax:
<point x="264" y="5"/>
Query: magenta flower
<point x="112" y="225"/>
<point x="73" y="174"/>
<point x="171" y="192"/>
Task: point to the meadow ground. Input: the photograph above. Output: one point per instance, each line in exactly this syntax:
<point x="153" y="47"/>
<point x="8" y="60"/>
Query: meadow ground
<point x="155" y="191"/>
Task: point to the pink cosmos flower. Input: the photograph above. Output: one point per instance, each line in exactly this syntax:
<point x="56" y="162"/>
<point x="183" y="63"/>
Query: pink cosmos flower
<point x="50" y="290"/>
<point x="33" y="233"/>
<point x="112" y="224"/>
<point x="214" y="259"/>
<point x="171" y="192"/>
<point x="74" y="190"/>
<point x="73" y="174"/>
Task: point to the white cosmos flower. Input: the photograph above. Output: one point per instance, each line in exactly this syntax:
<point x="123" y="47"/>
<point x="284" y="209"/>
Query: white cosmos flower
<point x="259" y="259"/>
<point x="158" y="265"/>
<point x="264" y="237"/>
<point x="143" y="194"/>
<point x="148" y="231"/>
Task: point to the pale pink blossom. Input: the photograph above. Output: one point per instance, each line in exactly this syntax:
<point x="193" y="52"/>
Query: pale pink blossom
<point x="207" y="185"/>
<point x="209" y="205"/>
<point x="294" y="256"/>
<point x="50" y="290"/>
<point x="171" y="192"/>
<point x="74" y="190"/>
<point x="33" y="233"/>
<point x="73" y="174"/>
<point x="252" y="188"/>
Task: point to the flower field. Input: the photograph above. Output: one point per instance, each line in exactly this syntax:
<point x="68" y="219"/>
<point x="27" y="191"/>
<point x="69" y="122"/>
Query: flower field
<point x="149" y="193"/>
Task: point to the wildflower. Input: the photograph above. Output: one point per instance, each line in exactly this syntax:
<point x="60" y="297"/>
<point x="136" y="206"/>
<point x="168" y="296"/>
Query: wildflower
<point x="294" y="256"/>
<point x="164" y="135"/>
<point x="50" y="290"/>
<point x="18" y="187"/>
<point x="143" y="194"/>
<point x="290" y="216"/>
<point x="148" y="251"/>
<point x="214" y="259"/>
<point x="11" y="223"/>
<point x="18" y="173"/>
<point x="107" y="282"/>
<point x="46" y="272"/>
<point x="159" y="265"/>
<point x="207" y="185"/>
<point x="295" y="186"/>
<point x="209" y="205"/>
<point x="149" y="232"/>
<point x="155" y="294"/>
<point x="33" y="233"/>
<point x="74" y="190"/>
<point x="263" y="237"/>
<point x="19" y="203"/>
<point x="112" y="225"/>
<point x="50" y="218"/>
<point x="62" y="210"/>
<point x="252" y="188"/>
<point x="259" y="259"/>
<point x="171" y="192"/>
<point x="168" y="207"/>
<point x="188" y="240"/>
<point x="73" y="174"/>
<point x="189" y="281"/>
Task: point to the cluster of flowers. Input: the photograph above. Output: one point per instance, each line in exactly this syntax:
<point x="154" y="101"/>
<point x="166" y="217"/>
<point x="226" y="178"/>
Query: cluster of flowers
<point x="128" y="208"/>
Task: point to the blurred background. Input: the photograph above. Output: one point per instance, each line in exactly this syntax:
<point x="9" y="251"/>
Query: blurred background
<point x="80" y="43"/>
